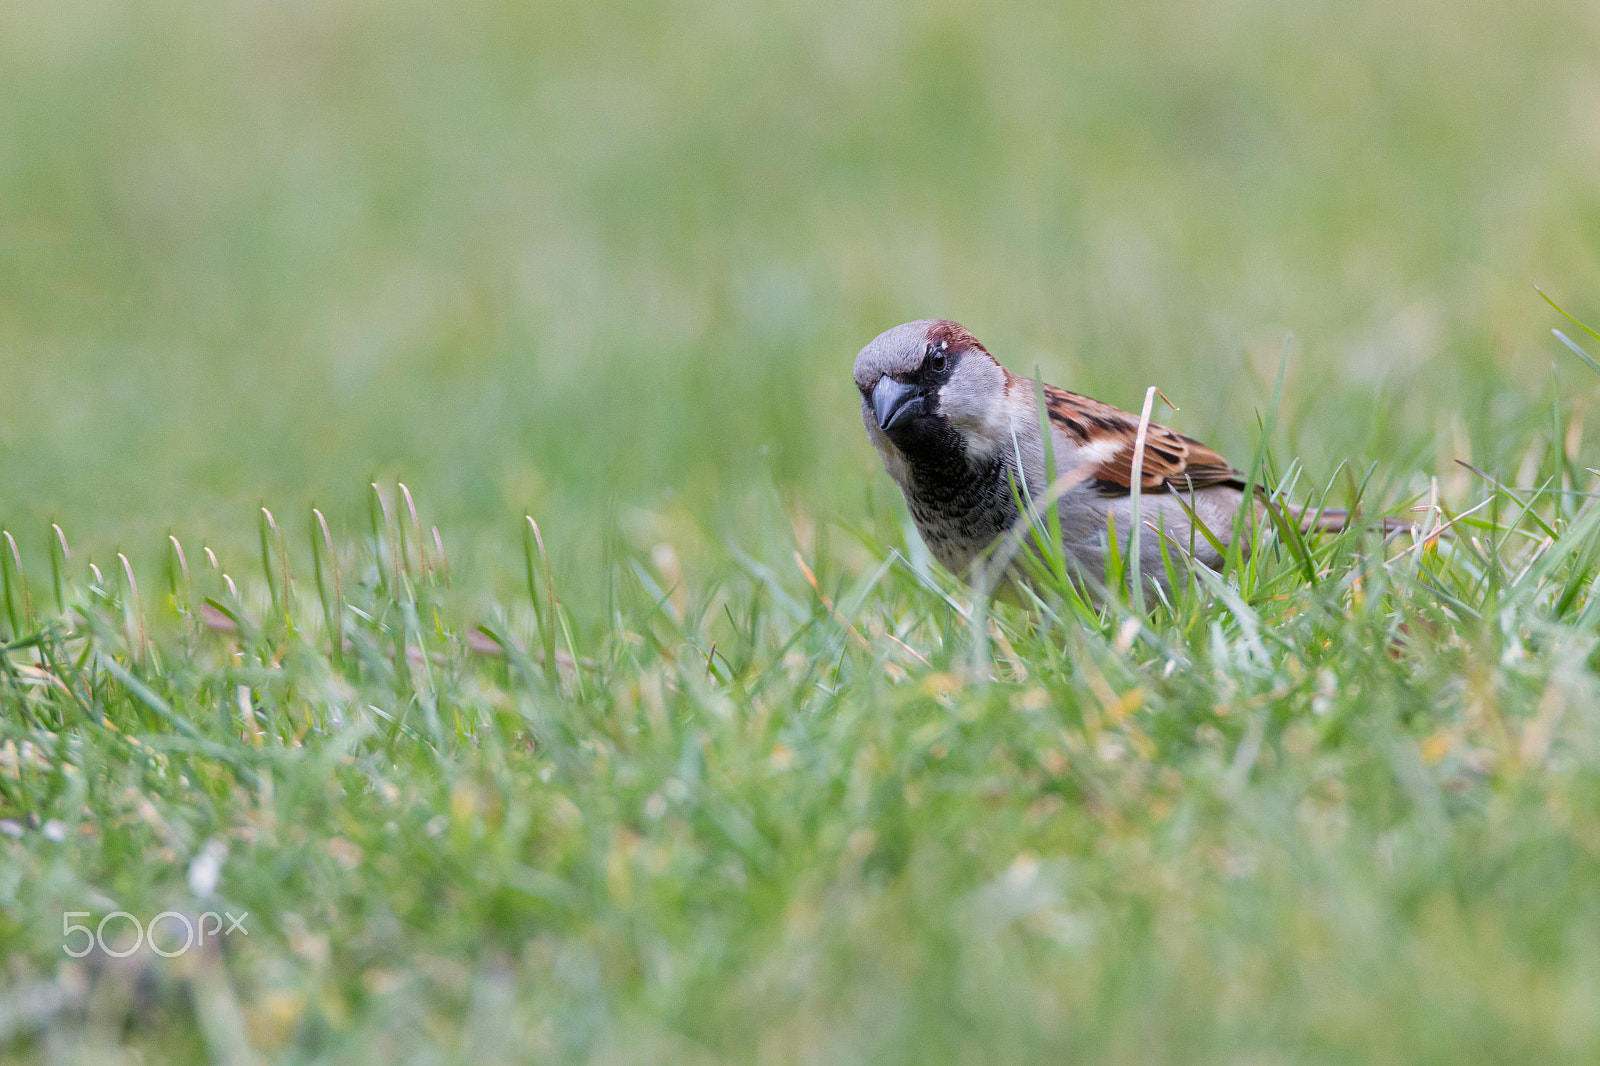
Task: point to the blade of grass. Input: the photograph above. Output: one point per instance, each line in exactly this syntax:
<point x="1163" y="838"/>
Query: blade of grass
<point x="416" y="534"/>
<point x="265" y="527"/>
<point x="533" y="543"/>
<point x="1234" y="558"/>
<point x="178" y="575"/>
<point x="332" y="609"/>
<point x="1563" y="313"/>
<point x="1135" y="489"/>
<point x="1579" y="352"/>
<point x="16" y="588"/>
<point x="1056" y="554"/>
<point x="133" y="608"/>
<point x="60" y="555"/>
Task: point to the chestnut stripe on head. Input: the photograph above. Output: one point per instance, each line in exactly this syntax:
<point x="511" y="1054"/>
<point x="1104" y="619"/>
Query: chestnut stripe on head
<point x="954" y="336"/>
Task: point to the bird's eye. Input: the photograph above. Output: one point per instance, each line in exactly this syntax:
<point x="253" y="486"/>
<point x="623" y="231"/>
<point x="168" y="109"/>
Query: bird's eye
<point x="937" y="360"/>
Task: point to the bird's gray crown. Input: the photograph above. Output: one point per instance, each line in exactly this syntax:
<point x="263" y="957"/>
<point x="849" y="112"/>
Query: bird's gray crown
<point x="901" y="350"/>
<point x="894" y="351"/>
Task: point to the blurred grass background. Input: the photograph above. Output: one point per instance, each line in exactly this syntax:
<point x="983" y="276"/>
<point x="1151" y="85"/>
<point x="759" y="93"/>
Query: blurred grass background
<point x="556" y="256"/>
<point x="608" y="264"/>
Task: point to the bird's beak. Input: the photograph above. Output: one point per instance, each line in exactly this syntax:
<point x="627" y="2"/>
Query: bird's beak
<point x="892" y="401"/>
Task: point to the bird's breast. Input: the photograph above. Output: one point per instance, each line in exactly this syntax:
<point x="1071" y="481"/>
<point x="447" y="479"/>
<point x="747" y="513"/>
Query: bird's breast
<point x="960" y="509"/>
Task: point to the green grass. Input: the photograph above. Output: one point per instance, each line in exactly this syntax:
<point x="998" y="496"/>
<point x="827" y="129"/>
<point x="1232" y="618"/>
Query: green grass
<point x="711" y="763"/>
<point x="790" y="810"/>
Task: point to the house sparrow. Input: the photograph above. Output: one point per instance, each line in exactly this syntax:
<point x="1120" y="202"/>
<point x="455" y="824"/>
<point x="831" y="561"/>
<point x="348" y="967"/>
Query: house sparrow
<point x="956" y="430"/>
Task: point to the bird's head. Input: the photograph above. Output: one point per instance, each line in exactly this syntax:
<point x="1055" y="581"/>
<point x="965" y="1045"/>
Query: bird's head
<point x="930" y="385"/>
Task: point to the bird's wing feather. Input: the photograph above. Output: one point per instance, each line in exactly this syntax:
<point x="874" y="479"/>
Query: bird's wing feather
<point x="1172" y="462"/>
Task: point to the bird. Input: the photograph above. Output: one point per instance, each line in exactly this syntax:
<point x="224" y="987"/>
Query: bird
<point x="961" y="436"/>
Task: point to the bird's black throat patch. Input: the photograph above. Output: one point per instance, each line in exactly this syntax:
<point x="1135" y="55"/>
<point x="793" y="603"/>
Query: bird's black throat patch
<point x="960" y="507"/>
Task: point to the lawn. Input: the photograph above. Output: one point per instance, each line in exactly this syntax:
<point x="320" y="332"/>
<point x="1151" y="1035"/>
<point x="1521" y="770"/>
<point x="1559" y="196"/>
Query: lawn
<point x="607" y="709"/>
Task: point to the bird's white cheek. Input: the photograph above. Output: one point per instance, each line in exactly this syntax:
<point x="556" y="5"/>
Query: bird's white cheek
<point x="985" y="430"/>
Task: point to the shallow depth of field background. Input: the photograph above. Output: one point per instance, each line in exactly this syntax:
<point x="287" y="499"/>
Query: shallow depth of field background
<point x="562" y="258"/>
<point x="608" y="265"/>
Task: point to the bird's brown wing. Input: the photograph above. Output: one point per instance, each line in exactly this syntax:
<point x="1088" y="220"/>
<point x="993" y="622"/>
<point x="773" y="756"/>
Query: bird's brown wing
<point x="1172" y="461"/>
